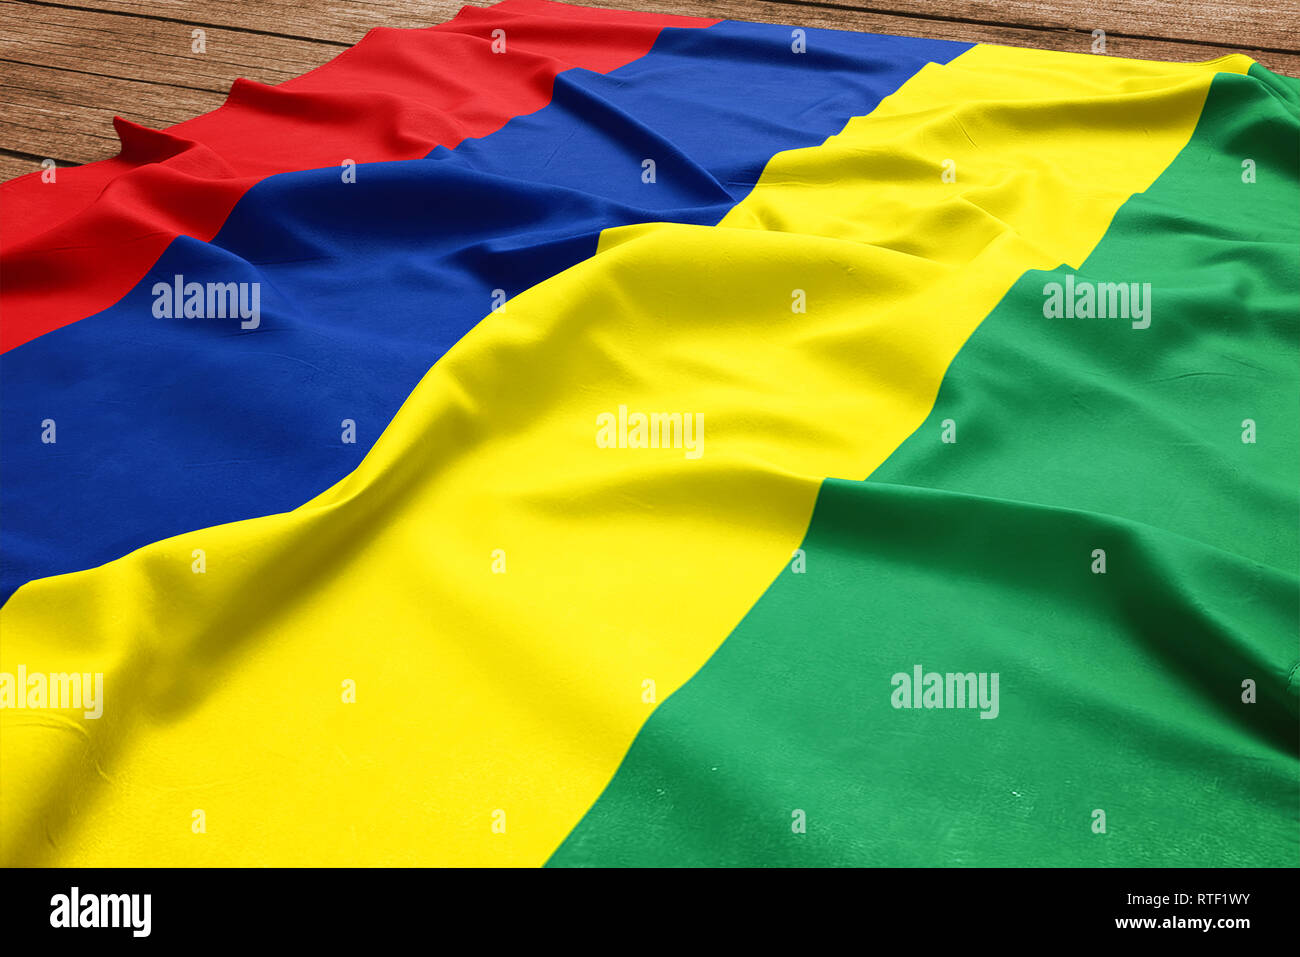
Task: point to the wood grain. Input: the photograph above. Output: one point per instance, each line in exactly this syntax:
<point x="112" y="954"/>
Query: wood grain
<point x="151" y="51"/>
<point x="830" y="16"/>
<point x="67" y="117"/>
<point x="68" y="66"/>
<point x="1265" y="24"/>
<point x="59" y="101"/>
<point x="338" y="21"/>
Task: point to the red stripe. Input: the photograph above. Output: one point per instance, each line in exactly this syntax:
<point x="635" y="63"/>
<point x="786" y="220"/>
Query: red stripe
<point x="74" y="247"/>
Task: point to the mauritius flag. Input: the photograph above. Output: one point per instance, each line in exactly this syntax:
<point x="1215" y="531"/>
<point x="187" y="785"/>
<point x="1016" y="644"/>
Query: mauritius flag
<point x="575" y="437"/>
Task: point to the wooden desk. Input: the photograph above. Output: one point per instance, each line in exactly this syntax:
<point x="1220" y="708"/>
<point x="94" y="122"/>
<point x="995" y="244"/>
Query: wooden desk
<point x="67" y="66"/>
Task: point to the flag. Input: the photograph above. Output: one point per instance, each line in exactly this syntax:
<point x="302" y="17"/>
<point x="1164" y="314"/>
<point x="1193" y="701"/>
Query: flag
<point x="578" y="437"/>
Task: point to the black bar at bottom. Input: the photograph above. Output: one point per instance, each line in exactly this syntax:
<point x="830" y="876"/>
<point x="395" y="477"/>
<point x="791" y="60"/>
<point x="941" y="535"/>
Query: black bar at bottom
<point x="971" y="906"/>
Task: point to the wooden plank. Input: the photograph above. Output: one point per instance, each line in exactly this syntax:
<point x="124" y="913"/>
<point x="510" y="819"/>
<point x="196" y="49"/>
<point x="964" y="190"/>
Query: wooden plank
<point x="845" y="18"/>
<point x="67" y="72"/>
<point x="67" y="115"/>
<point x="346" y="21"/>
<point x="1262" y="24"/>
<point x="150" y="51"/>
<point x="336" y="21"/>
<point x="70" y="69"/>
<point x="13" y="165"/>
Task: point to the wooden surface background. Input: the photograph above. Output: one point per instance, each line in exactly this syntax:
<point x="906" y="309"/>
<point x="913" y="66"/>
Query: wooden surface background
<point x="68" y="66"/>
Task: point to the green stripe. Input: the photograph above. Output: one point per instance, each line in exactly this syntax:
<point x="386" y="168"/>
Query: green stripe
<point x="1119" y="692"/>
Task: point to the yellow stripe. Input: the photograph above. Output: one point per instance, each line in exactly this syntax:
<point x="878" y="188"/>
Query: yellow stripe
<point x="521" y="691"/>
